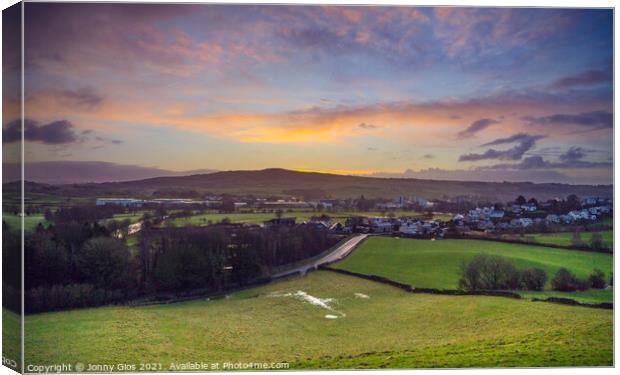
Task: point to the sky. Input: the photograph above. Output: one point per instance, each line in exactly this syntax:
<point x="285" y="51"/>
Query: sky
<point x="492" y="94"/>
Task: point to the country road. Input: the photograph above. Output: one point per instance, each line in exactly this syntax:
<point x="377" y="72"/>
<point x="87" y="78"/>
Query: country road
<point x="339" y="253"/>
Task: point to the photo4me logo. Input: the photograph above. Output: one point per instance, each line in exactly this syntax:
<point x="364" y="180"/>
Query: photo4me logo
<point x="217" y="366"/>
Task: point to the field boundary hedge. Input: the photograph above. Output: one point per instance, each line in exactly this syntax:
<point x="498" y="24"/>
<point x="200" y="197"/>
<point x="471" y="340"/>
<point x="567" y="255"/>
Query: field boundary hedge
<point x="456" y="292"/>
<point x="168" y="298"/>
<point x="553" y="246"/>
<point x="410" y="289"/>
<point x="572" y="302"/>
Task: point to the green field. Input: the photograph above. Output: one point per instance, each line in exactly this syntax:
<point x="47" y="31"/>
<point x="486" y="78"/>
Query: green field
<point x="30" y="221"/>
<point x="11" y="336"/>
<point x="565" y="238"/>
<point x="390" y="328"/>
<point x="437" y="264"/>
<point x="300" y="215"/>
<point x="133" y="217"/>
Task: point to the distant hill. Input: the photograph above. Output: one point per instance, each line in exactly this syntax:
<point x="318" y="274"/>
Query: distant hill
<point x="279" y="182"/>
<point x="69" y="172"/>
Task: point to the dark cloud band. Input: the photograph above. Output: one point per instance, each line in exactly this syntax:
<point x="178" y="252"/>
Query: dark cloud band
<point x="525" y="142"/>
<point x="56" y="132"/>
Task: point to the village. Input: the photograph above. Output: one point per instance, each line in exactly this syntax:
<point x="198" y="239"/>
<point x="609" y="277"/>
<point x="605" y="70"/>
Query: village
<point x="403" y="216"/>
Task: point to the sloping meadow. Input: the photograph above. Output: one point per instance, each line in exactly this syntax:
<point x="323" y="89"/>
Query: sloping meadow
<point x="329" y="320"/>
<point x="437" y="264"/>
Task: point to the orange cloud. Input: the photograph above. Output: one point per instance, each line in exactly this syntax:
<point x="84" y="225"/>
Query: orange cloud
<point x="441" y="121"/>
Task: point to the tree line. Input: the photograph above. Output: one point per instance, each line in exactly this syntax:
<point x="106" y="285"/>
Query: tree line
<point x="80" y="261"/>
<point x="493" y="272"/>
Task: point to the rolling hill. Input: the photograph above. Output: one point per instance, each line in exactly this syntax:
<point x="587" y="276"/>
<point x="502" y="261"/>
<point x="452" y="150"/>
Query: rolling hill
<point x="70" y="172"/>
<point x="281" y="182"/>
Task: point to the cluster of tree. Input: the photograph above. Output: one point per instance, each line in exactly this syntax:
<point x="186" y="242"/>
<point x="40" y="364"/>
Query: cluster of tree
<point x="364" y="204"/>
<point x="572" y="202"/>
<point x="11" y="268"/>
<point x="492" y="272"/>
<point x="73" y="263"/>
<point x="596" y="241"/>
<point x="28" y="209"/>
<point x="522" y="201"/>
<point x="83" y="213"/>
<point x="222" y="256"/>
<point x="566" y="281"/>
<point x="68" y="264"/>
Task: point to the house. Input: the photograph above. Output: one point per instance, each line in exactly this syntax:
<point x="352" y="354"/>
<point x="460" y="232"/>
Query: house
<point x="552" y="219"/>
<point x="589" y="201"/>
<point x="523" y="222"/>
<point x="503" y="225"/>
<point x="325" y="221"/>
<point x="125" y="202"/>
<point x="516" y="209"/>
<point x="486" y="225"/>
<point x="410" y="228"/>
<point x="338" y="227"/>
<point x="496" y="214"/>
<point x="381" y="225"/>
<point x="581" y="215"/>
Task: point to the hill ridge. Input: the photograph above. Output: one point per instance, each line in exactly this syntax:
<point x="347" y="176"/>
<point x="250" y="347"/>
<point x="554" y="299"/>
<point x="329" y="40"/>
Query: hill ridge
<point x="280" y="182"/>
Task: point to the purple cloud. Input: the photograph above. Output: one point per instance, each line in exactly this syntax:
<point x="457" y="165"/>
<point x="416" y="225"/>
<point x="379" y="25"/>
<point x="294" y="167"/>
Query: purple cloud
<point x="57" y="132"/>
<point x="595" y="119"/>
<point x="476" y="127"/>
<point x="525" y="142"/>
<point x="84" y="98"/>
<point x="587" y="78"/>
<point x="573" y="154"/>
<point x="537" y="162"/>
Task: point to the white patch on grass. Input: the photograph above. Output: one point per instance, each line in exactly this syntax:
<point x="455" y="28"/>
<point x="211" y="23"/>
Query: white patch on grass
<point x="362" y="295"/>
<point x="324" y="303"/>
<point x="321" y="302"/>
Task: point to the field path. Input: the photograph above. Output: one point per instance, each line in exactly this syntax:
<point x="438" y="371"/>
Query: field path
<point x="339" y="253"/>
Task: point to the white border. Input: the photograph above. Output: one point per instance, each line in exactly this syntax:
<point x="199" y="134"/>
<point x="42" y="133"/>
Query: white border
<point x="486" y="3"/>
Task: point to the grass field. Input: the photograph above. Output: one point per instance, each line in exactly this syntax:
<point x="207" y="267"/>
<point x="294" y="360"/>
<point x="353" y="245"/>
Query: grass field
<point x="11" y="336"/>
<point x="390" y="329"/>
<point x="565" y="238"/>
<point x="133" y="217"/>
<point x="300" y="215"/>
<point x="30" y="221"/>
<point x="437" y="264"/>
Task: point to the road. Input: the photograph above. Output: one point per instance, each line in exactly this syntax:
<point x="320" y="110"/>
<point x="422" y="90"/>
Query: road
<point x="339" y="253"/>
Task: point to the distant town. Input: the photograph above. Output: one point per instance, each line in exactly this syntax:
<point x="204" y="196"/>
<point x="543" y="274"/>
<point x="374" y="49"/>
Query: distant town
<point x="397" y="217"/>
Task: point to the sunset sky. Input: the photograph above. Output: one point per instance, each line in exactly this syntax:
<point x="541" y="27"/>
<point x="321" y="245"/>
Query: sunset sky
<point x="446" y="93"/>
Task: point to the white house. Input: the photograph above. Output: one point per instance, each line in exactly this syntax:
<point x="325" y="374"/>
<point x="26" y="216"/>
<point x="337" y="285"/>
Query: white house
<point x="125" y="202"/>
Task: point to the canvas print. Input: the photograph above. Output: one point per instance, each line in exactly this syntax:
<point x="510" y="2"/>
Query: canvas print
<point x="223" y="187"/>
